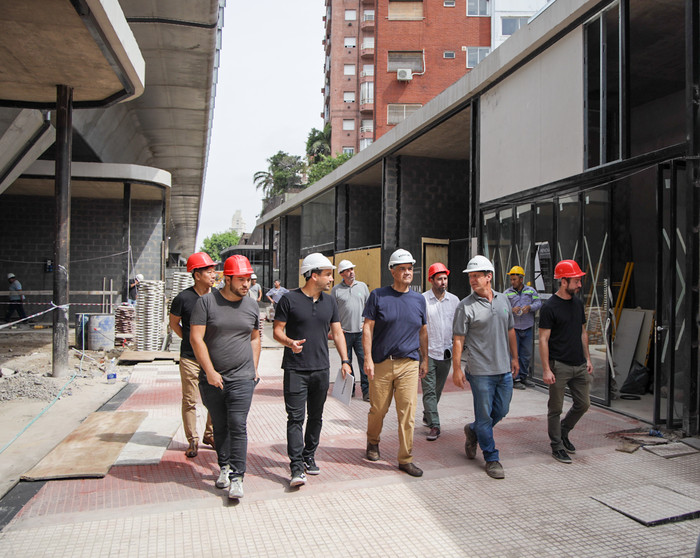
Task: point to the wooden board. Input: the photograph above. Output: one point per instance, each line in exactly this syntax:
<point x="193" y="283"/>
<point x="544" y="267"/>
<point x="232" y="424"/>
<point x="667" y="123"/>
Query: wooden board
<point x="625" y="343"/>
<point x="91" y="449"/>
<point x="148" y="356"/>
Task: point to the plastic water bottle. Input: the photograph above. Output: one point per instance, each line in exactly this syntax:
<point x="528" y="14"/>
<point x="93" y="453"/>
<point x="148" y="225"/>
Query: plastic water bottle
<point x="111" y="372"/>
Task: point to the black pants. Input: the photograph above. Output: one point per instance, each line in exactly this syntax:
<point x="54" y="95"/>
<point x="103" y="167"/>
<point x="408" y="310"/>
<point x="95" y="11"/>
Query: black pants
<point x="308" y="389"/>
<point x="15" y="306"/>
<point x="228" y="409"/>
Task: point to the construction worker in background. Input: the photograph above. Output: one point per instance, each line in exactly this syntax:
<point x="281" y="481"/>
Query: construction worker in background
<point x="485" y="349"/>
<point x="134" y="288"/>
<point x="203" y="271"/>
<point x="255" y="292"/>
<point x="525" y="302"/>
<point x="395" y="340"/>
<point x="274" y="295"/>
<point x="351" y="296"/>
<point x="303" y="319"/>
<point x="16" y="298"/>
<point x="565" y="357"/>
<point x="441" y="306"/>
<point x="226" y="341"/>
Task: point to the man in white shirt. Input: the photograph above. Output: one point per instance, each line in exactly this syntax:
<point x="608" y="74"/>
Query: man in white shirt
<point x="441" y="307"/>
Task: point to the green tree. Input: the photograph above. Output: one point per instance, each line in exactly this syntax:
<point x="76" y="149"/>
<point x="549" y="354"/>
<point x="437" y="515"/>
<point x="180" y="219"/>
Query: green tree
<point x="318" y="143"/>
<point x="284" y="171"/>
<point x="218" y="242"/>
<point x="325" y="165"/>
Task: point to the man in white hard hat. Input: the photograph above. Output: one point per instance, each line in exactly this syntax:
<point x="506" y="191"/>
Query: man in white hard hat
<point x="351" y="296"/>
<point x="303" y="319"/>
<point x="134" y="288"/>
<point x="395" y="340"/>
<point x="16" y="298"/>
<point x="255" y="292"/>
<point x="486" y="350"/>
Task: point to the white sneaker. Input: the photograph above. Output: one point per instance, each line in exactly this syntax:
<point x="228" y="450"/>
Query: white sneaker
<point x="298" y="478"/>
<point x="224" y="481"/>
<point x="235" y="491"/>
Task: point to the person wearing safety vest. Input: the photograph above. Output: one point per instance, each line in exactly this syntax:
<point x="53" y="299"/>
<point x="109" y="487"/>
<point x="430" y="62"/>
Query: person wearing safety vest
<point x="485" y="353"/>
<point x="203" y="270"/>
<point x="525" y="303"/>
<point x="303" y="319"/>
<point x="566" y="361"/>
<point x="226" y="341"/>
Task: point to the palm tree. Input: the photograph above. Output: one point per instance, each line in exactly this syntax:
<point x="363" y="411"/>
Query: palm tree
<point x="283" y="172"/>
<point x="264" y="181"/>
<point x="318" y="143"/>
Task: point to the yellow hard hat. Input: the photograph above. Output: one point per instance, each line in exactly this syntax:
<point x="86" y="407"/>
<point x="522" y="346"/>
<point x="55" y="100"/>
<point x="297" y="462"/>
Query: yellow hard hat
<point x="516" y="270"/>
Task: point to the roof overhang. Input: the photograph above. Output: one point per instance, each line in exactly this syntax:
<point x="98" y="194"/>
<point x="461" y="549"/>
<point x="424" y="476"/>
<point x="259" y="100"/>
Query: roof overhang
<point x="83" y="44"/>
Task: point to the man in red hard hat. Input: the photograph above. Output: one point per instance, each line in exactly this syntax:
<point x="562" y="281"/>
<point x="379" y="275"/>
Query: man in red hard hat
<point x="226" y="341"/>
<point x="203" y="271"/>
<point x="565" y="357"/>
<point x="441" y="306"/>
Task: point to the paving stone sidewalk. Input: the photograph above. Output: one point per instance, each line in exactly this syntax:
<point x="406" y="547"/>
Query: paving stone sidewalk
<point x="358" y="508"/>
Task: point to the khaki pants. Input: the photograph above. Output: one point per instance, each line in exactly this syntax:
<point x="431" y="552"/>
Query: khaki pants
<point x="396" y="378"/>
<point x="189" y="375"/>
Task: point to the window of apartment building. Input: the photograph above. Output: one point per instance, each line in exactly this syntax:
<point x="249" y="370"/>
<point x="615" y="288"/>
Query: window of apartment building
<point x="367" y="70"/>
<point x="349" y="96"/>
<point x="368" y="15"/>
<point x="368" y="42"/>
<point x="350" y="15"/>
<point x="476" y="55"/>
<point x="367" y="125"/>
<point x="410" y="60"/>
<point x="448" y="54"/>
<point x="449" y="3"/>
<point x="349" y="69"/>
<point x="510" y="25"/>
<point x="477" y="7"/>
<point x="399" y="112"/>
<point x="366" y="92"/>
<point x="365" y="143"/>
<point x="405" y="10"/>
<point x="348" y="124"/>
<point x="348" y="150"/>
<point x="350" y="42"/>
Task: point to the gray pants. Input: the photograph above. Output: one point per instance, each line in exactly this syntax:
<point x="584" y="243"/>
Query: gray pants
<point x="432" y="385"/>
<point x="578" y="380"/>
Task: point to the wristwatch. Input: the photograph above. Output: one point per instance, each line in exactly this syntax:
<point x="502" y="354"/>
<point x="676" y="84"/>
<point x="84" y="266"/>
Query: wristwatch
<point x="347" y="362"/>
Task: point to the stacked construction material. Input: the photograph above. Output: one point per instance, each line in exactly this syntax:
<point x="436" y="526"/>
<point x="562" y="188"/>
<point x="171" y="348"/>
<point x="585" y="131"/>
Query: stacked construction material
<point x="124" y="323"/>
<point x="180" y="281"/>
<point x="150" y="315"/>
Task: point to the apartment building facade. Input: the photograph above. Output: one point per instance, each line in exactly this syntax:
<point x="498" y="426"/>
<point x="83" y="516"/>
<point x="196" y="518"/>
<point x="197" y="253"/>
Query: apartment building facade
<point x="386" y="58"/>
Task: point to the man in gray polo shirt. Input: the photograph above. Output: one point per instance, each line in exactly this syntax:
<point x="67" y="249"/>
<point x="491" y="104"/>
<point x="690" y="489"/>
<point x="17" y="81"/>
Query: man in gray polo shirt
<point x="485" y="345"/>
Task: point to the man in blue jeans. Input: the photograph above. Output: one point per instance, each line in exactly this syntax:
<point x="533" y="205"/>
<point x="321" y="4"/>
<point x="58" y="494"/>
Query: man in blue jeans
<point x="484" y="343"/>
<point x="525" y="302"/>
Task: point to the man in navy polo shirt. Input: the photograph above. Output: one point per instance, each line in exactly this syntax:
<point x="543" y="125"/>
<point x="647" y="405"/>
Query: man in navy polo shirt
<point x="395" y="339"/>
<point x="303" y="319"/>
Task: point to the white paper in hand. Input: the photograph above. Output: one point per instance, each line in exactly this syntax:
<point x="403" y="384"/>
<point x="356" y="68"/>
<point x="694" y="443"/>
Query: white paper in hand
<point x="342" y="388"/>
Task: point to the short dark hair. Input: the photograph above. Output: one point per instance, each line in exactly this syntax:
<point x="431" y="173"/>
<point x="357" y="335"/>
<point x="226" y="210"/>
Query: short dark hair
<point x="309" y="273"/>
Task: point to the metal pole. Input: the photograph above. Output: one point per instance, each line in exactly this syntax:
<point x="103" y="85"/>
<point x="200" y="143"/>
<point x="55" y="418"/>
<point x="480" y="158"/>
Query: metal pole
<point x="64" y="148"/>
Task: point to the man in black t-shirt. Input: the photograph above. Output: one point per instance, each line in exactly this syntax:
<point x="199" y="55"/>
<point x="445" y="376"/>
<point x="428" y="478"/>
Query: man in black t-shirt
<point x="203" y="270"/>
<point x="303" y="318"/>
<point x="565" y="357"/>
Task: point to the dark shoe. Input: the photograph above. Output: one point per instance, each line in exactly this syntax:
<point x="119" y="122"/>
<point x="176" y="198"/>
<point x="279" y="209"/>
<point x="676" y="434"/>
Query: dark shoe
<point x="425" y="422"/>
<point x="209" y="441"/>
<point x="433" y="435"/>
<point x="495" y="470"/>
<point x="310" y="466"/>
<point x="526" y="382"/>
<point x="568" y="446"/>
<point x="470" y="444"/>
<point x="561" y="456"/>
<point x="298" y="478"/>
<point x="373" y="452"/>
<point x="365" y="397"/>
<point x="411" y="469"/>
<point x="518" y="385"/>
<point x="192" y="450"/>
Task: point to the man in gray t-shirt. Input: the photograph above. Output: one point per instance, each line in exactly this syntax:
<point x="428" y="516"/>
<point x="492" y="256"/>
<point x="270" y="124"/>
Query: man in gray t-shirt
<point x="484" y="343"/>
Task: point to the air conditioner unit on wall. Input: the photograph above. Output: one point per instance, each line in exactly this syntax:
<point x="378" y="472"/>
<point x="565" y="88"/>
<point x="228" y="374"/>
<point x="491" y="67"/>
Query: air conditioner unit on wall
<point x="404" y="74"/>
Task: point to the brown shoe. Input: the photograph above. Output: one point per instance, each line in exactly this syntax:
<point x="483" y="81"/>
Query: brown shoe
<point x="470" y="444"/>
<point x="372" y="452"/>
<point x="433" y="435"/>
<point x="192" y="451"/>
<point x="208" y="440"/>
<point x="411" y="469"/>
<point x="495" y="470"/>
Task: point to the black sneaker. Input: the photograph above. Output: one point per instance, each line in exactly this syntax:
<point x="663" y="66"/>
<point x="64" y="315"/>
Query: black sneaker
<point x="561" y="456"/>
<point x="310" y="466"/>
<point x="298" y="478"/>
<point x="518" y="385"/>
<point x="568" y="446"/>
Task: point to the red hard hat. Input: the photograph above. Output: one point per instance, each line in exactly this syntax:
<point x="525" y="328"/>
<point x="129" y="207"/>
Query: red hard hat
<point x="237" y="265"/>
<point x="437" y="268"/>
<point x="198" y="260"/>
<point x="567" y="269"/>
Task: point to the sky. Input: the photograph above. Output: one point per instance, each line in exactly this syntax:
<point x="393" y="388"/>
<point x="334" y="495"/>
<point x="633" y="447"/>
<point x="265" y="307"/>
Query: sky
<point x="268" y="98"/>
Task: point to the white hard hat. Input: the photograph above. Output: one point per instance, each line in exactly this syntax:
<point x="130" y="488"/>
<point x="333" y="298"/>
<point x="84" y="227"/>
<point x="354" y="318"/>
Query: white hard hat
<point x="401" y="257"/>
<point x="139" y="276"/>
<point x="315" y="261"/>
<point x="253" y="276"/>
<point x="10" y="275"/>
<point x="345" y="264"/>
<point x="479" y="263"/>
